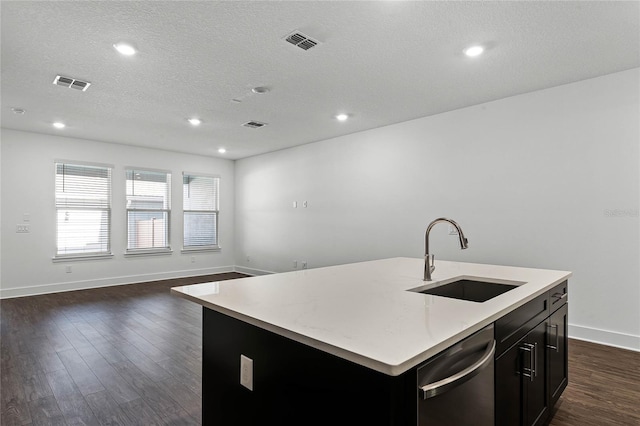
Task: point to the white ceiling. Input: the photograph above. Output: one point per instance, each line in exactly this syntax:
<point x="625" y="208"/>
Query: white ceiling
<point x="382" y="62"/>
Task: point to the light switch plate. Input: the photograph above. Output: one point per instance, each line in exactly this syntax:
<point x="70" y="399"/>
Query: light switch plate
<point x="22" y="228"/>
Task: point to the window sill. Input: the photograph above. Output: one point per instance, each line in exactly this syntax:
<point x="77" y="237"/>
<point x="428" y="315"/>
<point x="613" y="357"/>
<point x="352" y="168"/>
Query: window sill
<point x="200" y="249"/>
<point x="76" y="258"/>
<point x="145" y="252"/>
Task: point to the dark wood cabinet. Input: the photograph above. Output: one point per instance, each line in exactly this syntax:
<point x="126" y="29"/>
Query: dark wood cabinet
<point x="521" y="393"/>
<point x="534" y="375"/>
<point x="557" y="345"/>
<point x="509" y="390"/>
<point x="533" y="372"/>
<point x="294" y="383"/>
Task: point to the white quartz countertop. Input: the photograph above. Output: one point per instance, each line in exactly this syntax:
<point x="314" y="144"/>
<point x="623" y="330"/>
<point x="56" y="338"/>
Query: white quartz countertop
<point x="363" y="312"/>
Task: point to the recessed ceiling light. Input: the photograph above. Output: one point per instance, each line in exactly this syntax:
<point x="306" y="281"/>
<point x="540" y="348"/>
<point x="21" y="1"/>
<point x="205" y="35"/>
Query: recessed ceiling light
<point x="59" y="125"/>
<point x="194" y="121"/>
<point x="342" y="117"/>
<point x="125" y="49"/>
<point x="222" y="150"/>
<point x="260" y="90"/>
<point x="473" y="51"/>
<point x="18" y="111"/>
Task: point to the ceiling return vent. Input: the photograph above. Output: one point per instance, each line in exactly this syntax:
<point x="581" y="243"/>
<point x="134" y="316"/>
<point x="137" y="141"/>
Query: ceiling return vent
<point x="254" y="124"/>
<point x="71" y="83"/>
<point x="302" y="41"/>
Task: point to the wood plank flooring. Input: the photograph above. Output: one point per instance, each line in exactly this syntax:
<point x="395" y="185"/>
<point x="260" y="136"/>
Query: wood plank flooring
<point x="124" y="355"/>
<point x="131" y="355"/>
<point x="603" y="389"/>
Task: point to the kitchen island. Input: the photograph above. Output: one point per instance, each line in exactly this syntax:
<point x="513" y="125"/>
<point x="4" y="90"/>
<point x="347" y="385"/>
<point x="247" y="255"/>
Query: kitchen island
<point x="340" y="344"/>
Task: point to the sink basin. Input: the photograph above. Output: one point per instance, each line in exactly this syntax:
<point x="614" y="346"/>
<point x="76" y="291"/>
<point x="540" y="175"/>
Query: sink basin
<point x="468" y="289"/>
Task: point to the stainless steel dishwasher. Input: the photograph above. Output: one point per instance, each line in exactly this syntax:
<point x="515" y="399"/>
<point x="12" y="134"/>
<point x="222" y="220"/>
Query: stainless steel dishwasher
<point x="456" y="387"/>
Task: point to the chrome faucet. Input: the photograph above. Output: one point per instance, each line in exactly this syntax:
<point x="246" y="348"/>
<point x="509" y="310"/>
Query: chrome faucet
<point x="429" y="258"/>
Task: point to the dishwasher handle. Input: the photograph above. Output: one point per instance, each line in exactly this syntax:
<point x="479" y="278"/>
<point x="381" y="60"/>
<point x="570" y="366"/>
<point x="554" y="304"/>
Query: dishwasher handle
<point x="441" y="386"/>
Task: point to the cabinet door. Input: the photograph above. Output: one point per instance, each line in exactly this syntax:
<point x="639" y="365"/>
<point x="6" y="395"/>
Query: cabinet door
<point x="521" y="397"/>
<point x="557" y="345"/>
<point x="533" y="346"/>
<point x="508" y="387"/>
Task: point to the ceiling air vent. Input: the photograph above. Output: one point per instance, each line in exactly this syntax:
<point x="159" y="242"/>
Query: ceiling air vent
<point x="254" y="124"/>
<point x="302" y="41"/>
<point x="71" y="83"/>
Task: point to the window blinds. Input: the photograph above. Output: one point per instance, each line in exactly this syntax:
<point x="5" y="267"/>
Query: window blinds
<point x="201" y="210"/>
<point x="148" y="209"/>
<point x="83" y="208"/>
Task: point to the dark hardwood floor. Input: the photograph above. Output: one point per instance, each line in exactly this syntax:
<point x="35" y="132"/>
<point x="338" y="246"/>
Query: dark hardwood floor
<point x="131" y="355"/>
<point x="124" y="355"/>
<point x="603" y="389"/>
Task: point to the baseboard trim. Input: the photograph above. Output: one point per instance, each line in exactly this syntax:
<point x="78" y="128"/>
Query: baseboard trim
<point x="251" y="271"/>
<point x="8" y="293"/>
<point x="605" y="337"/>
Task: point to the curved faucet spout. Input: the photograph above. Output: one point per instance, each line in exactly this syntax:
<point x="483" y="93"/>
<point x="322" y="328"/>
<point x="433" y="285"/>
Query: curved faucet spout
<point x="429" y="259"/>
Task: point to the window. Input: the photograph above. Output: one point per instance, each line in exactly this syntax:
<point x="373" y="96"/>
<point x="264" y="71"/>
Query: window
<point x="83" y="209"/>
<point x="200" y="206"/>
<point x="148" y="210"/>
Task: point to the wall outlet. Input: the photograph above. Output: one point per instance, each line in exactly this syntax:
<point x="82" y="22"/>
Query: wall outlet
<point x="248" y="259"/>
<point x="246" y="372"/>
<point x="193" y="259"/>
<point x="295" y="264"/>
<point x="22" y="228"/>
<point x="295" y="204"/>
<point x="304" y="264"/>
<point x="305" y="204"/>
<point x="68" y="269"/>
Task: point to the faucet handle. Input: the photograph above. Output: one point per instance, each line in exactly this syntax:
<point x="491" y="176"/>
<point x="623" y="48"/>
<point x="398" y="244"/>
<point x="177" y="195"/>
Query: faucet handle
<point x="430" y="259"/>
<point x="428" y="266"/>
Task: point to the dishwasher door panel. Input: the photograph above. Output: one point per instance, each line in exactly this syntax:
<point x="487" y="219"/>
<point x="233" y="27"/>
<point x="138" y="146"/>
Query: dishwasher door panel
<point x="456" y="388"/>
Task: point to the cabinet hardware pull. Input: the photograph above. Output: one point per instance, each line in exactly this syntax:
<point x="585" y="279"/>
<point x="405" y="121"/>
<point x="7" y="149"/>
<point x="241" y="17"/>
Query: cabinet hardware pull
<point x="530" y="372"/>
<point x="557" y="346"/>
<point x="535" y="359"/>
<point x="560" y="296"/>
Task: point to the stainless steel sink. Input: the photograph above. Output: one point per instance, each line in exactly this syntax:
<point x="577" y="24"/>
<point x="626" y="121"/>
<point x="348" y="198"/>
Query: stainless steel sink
<point x="468" y="289"/>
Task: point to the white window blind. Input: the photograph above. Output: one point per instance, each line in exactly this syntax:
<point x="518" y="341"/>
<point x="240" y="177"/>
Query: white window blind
<point x="200" y="195"/>
<point x="83" y="208"/>
<point x="148" y="210"/>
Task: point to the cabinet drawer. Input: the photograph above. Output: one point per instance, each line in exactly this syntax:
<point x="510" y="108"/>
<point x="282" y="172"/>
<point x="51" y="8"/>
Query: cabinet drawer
<point x="558" y="296"/>
<point x="513" y="326"/>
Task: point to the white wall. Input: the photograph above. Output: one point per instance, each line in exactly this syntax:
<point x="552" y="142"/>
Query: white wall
<point x="0" y="213"/>
<point x="548" y="179"/>
<point x="28" y="187"/>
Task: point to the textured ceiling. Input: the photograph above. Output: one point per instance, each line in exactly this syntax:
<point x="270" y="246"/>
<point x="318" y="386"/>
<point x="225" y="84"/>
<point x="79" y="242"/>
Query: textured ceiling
<point x="382" y="62"/>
